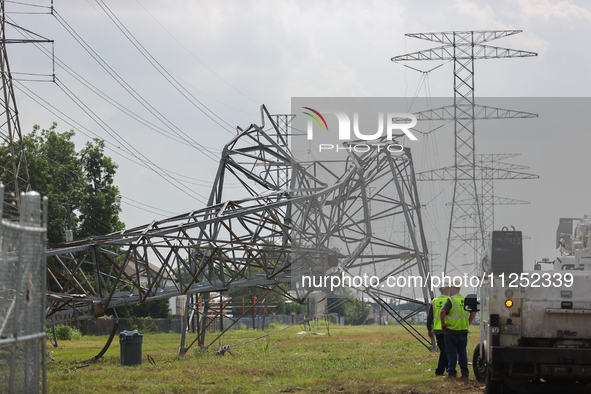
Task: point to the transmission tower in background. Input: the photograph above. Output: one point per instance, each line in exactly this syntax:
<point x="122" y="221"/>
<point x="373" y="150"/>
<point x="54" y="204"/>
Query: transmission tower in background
<point x="492" y="168"/>
<point x="466" y="227"/>
<point x="10" y="129"/>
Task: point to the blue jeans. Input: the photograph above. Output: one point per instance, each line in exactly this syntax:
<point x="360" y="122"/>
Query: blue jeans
<point x="455" y="347"/>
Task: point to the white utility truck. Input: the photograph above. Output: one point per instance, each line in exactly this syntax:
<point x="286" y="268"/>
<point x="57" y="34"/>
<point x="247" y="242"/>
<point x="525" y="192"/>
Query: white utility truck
<point x="535" y="326"/>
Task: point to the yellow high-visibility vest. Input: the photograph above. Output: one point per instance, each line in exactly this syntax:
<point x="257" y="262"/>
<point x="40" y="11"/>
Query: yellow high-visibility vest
<point x="457" y="317"/>
<point x="437" y="306"/>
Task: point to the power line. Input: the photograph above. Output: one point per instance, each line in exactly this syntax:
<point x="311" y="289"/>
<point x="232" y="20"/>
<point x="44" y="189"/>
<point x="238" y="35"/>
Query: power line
<point x="196" y="58"/>
<point x="209" y="152"/>
<point x="73" y="123"/>
<point x="119" y="79"/>
<point x="74" y="176"/>
<point x="27" y="4"/>
<point x="161" y="69"/>
<point x="116" y="136"/>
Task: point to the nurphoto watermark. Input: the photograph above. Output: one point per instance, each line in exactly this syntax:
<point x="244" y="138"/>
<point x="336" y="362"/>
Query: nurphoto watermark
<point x="526" y="279"/>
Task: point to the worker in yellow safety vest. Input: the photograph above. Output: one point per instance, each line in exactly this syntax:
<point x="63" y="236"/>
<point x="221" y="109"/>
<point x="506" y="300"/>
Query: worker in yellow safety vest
<point x="435" y="330"/>
<point x="455" y="321"/>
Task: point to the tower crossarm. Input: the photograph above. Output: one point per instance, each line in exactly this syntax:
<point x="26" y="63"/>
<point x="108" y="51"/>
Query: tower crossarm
<point x="491" y="52"/>
<point x="495" y="200"/>
<point x="499" y="173"/>
<point x="447" y="37"/>
<point x="449" y="174"/>
<point x="463" y="52"/>
<point x="495" y="157"/>
<point x="493" y="160"/>
<point x="447" y="112"/>
<point x="509" y="201"/>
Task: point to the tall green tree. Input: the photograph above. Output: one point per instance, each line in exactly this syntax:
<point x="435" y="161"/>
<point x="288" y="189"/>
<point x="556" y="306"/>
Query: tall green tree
<point x="79" y="185"/>
<point x="101" y="200"/>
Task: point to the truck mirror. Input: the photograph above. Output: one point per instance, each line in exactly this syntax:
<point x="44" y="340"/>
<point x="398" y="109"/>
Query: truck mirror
<point x="538" y="267"/>
<point x="471" y="303"/>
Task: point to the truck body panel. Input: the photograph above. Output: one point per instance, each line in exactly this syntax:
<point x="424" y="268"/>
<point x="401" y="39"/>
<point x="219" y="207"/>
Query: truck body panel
<point x="535" y="326"/>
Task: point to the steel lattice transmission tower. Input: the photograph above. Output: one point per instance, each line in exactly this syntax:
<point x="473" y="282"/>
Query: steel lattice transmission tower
<point x="493" y="168"/>
<point x="10" y="126"/>
<point x="463" y="48"/>
<point x="10" y="129"/>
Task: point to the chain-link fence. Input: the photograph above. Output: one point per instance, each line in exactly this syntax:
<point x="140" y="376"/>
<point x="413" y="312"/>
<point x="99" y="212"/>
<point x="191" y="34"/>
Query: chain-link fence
<point x="22" y="298"/>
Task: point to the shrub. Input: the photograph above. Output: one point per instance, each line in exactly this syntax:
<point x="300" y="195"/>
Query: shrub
<point x="76" y="335"/>
<point x="63" y="332"/>
<point x="131" y="324"/>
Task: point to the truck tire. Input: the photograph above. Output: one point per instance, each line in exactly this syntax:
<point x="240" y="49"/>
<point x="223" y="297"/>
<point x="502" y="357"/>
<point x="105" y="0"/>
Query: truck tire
<point x="492" y="386"/>
<point x="478" y="364"/>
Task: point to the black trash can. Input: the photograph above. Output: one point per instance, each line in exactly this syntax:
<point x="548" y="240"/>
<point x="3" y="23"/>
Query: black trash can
<point x="131" y="347"/>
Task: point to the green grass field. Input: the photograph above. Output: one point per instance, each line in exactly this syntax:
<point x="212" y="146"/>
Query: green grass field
<point x="353" y="359"/>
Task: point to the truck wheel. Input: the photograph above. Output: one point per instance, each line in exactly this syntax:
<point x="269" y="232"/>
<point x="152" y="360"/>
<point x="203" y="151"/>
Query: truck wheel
<point x="478" y="364"/>
<point x="492" y="386"/>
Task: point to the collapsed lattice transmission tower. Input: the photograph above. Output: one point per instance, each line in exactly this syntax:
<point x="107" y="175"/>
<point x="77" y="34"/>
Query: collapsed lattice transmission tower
<point x="278" y="232"/>
<point x="466" y="226"/>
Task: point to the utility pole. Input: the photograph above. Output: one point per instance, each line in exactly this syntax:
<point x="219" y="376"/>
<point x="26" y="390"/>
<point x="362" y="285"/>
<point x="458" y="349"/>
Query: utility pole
<point x="463" y="48"/>
<point x="68" y="231"/>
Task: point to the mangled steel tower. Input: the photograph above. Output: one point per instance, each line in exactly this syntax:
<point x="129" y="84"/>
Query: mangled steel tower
<point x="282" y="228"/>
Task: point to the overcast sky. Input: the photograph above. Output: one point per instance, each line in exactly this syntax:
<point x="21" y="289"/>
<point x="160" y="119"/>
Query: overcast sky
<point x="233" y="56"/>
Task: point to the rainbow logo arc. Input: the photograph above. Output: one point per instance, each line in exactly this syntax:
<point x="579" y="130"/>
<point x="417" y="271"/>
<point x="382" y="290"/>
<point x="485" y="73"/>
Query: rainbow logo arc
<point x="315" y="118"/>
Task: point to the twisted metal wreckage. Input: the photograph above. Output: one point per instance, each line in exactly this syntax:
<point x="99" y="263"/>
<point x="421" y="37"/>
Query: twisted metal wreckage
<point x="295" y="218"/>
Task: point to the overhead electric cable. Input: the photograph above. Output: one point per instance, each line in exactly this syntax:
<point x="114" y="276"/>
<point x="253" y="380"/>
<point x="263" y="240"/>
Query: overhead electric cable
<point x="27" y="4"/>
<point x="162" y="70"/>
<point x="103" y="125"/>
<point x="74" y="177"/>
<point x="116" y="136"/>
<point x="74" y="124"/>
<point x="119" y="79"/>
<point x="208" y="151"/>
<point x="195" y="57"/>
